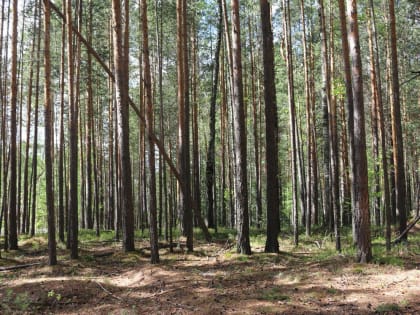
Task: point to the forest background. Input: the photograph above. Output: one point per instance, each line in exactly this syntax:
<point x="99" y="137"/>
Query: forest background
<point x="165" y="117"/>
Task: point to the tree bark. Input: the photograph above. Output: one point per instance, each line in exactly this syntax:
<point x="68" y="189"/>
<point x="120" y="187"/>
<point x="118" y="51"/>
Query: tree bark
<point x="121" y="87"/>
<point x="185" y="202"/>
<point x="241" y="186"/>
<point x="292" y="119"/>
<point x="397" y="137"/>
<point x="52" y="255"/>
<point x="308" y="201"/>
<point x="149" y="125"/>
<point x="359" y="171"/>
<point x="210" y="167"/>
<point x="271" y="131"/>
<point x="73" y="134"/>
<point x="13" y="241"/>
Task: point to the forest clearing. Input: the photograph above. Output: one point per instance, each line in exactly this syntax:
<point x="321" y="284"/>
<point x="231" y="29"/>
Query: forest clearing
<point x="310" y="279"/>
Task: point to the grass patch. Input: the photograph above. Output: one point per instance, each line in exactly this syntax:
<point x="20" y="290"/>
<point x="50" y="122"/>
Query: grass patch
<point x="387" y="307"/>
<point x="273" y="294"/>
<point x="388" y="260"/>
<point x="332" y="291"/>
<point x="359" y="270"/>
<point x="12" y="302"/>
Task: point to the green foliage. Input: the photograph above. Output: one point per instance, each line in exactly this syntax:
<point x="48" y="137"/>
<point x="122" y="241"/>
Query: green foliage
<point x="56" y="296"/>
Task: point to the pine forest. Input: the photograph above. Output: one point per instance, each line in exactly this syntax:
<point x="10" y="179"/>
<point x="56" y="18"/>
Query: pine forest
<point x="209" y="157"/>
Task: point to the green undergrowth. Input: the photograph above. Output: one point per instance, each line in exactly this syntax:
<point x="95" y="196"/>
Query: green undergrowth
<point x="319" y="247"/>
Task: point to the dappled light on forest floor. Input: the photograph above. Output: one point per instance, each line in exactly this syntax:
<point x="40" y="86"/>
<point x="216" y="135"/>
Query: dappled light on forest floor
<point x="212" y="280"/>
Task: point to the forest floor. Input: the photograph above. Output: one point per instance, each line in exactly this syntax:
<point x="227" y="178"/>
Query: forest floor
<point x="309" y="279"/>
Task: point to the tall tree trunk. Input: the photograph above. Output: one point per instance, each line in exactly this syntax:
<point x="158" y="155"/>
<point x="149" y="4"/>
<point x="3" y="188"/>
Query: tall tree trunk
<point x="185" y="202"/>
<point x="292" y="115"/>
<point x="62" y="207"/>
<point x="359" y="171"/>
<point x="34" y="174"/>
<point x="120" y="50"/>
<point x="89" y="129"/>
<point x="241" y="186"/>
<point x="52" y="255"/>
<point x="381" y="123"/>
<point x="255" y="129"/>
<point x="73" y="134"/>
<point x="271" y="131"/>
<point x="149" y="124"/>
<point x="210" y="167"/>
<point x="309" y="210"/>
<point x="13" y="241"/>
<point x="374" y="124"/>
<point x="313" y="133"/>
<point x="332" y="119"/>
<point x="349" y="103"/>
<point x="223" y="140"/>
<point x="25" y="211"/>
<point x="326" y="99"/>
<point x="397" y="137"/>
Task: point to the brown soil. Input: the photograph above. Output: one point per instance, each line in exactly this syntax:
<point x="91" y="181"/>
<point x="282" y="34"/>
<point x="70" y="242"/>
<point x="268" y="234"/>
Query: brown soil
<point x="212" y="280"/>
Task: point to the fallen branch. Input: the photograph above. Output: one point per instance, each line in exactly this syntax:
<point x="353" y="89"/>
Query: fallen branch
<point x="18" y="267"/>
<point x="409" y="227"/>
<point x="109" y="292"/>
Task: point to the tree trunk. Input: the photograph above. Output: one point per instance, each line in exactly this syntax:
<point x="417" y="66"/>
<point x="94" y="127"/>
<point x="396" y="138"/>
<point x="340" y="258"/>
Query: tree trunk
<point x="397" y="137"/>
<point x="185" y="202"/>
<point x="13" y="241"/>
<point x="89" y="129"/>
<point x="210" y="167"/>
<point x="121" y="86"/>
<point x="255" y="128"/>
<point x="52" y="255"/>
<point x="62" y="208"/>
<point x="241" y="186"/>
<point x="25" y="211"/>
<point x="149" y="125"/>
<point x="34" y="174"/>
<point x="271" y="131"/>
<point x="374" y="124"/>
<point x="73" y="134"/>
<point x="359" y="171"/>
<point x="309" y="210"/>
<point x="326" y="99"/>
<point x="292" y="116"/>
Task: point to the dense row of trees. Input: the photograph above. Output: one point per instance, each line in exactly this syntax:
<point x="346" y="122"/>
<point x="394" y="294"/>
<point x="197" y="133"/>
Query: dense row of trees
<point x="244" y="114"/>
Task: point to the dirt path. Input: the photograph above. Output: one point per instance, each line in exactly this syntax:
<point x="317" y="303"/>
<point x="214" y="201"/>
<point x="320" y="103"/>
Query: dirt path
<point x="213" y="280"/>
